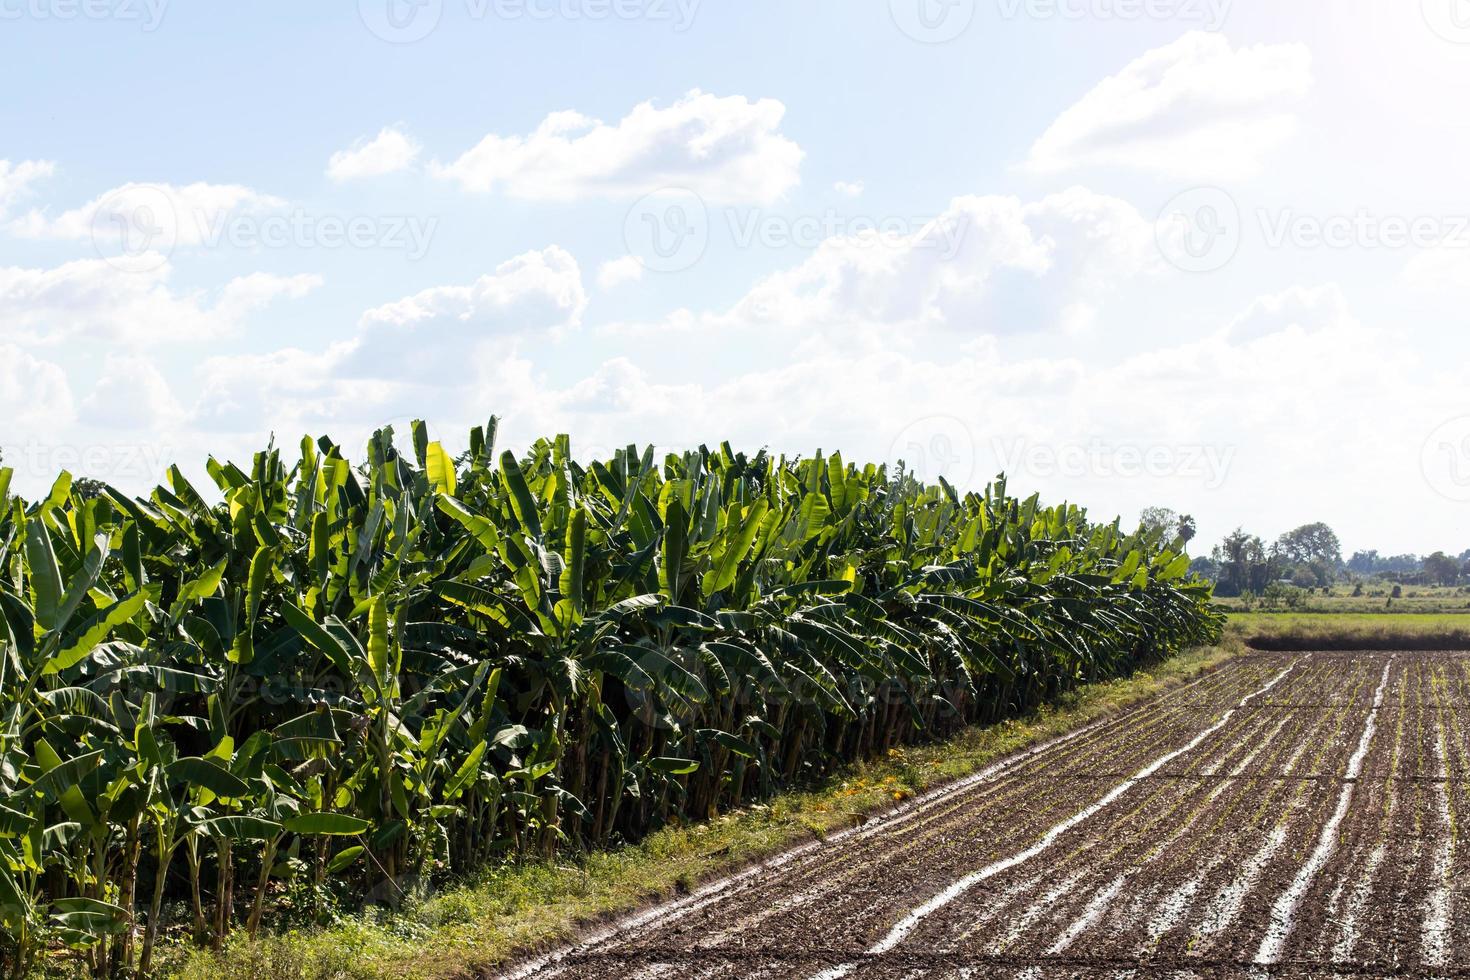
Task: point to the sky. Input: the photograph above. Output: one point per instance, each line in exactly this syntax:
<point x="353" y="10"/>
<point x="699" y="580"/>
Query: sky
<point x="1207" y="254"/>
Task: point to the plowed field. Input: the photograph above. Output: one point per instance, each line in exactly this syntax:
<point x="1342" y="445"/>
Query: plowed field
<point x="1287" y="815"/>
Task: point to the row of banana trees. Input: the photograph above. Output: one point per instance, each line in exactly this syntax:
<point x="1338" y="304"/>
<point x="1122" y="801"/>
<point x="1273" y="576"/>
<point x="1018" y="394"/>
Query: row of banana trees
<point x="341" y="681"/>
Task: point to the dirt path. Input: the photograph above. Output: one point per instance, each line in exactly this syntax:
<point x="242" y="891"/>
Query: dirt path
<point x="1288" y="815"/>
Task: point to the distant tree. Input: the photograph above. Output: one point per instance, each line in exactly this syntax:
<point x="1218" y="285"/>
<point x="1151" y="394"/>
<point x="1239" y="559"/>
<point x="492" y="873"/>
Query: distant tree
<point x="1314" y="546"/>
<point x="1187" y="529"/>
<point x="87" y="488"/>
<point x="1231" y="556"/>
<point x="1206" y="568"/>
<point x="1373" y="563"/>
<point x="1311" y="543"/>
<point x="1441" y="569"/>
<point x="1245" y="564"/>
<point x="1168" y="524"/>
<point x="1159" y="520"/>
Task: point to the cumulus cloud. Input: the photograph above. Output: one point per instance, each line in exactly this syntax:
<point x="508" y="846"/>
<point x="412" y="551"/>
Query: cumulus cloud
<point x="1181" y="423"/>
<point x="1300" y="308"/>
<point x="1299" y="354"/>
<point x="1194" y="109"/>
<point x="1443" y="270"/>
<point x="538" y="293"/>
<point x="449" y="351"/>
<point x="984" y="265"/>
<point x="621" y="387"/>
<point x="127" y="301"/>
<point x="391" y="151"/>
<point x="728" y="149"/>
<point x="849" y="188"/>
<point x="288" y="390"/>
<point x="131" y="394"/>
<point x="140" y="218"/>
<point x="615" y="272"/>
<point x="32" y="391"/>
<point x="246" y="294"/>
<point x="16" y="180"/>
<point x="1282" y="354"/>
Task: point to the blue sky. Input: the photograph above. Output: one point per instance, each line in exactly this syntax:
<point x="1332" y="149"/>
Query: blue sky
<point x="1201" y="253"/>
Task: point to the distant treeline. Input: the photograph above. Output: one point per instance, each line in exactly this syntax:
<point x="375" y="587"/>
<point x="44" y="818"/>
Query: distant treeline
<point x="1309" y="556"/>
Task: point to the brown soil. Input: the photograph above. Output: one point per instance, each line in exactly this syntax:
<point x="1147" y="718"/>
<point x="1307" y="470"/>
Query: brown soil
<point x="1289" y="815"/>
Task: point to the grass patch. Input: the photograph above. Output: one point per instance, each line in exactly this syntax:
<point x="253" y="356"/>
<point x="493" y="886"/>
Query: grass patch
<point x="515" y="910"/>
<point x="1350" y="631"/>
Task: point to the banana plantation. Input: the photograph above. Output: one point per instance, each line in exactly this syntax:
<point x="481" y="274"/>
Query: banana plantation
<point x="339" y="682"/>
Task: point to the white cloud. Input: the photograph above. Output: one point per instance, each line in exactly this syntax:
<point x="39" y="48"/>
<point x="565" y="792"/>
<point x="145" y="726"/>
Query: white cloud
<point x="725" y="149"/>
<point x="389" y="152"/>
<point x="16" y="180"/>
<point x="246" y="294"/>
<point x="1194" y="109"/>
<point x="32" y="391"/>
<point x="286" y="390"/>
<point x="1216" y="413"/>
<point x="620" y="387"/>
<point x="131" y="394"/>
<point x="615" y="272"/>
<point x="526" y="292"/>
<point x="126" y="301"/>
<point x="1300" y="308"/>
<point x="138" y="218"/>
<point x="1299" y="355"/>
<point x="849" y="188"/>
<point x="538" y="294"/>
<point x="985" y="265"/>
<point x="1443" y="270"/>
<point x="438" y="351"/>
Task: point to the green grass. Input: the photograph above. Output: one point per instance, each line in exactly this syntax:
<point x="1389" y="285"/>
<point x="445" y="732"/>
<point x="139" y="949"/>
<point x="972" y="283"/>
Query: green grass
<point x="1341" y="631"/>
<point x="517" y="909"/>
